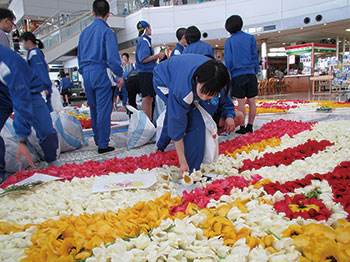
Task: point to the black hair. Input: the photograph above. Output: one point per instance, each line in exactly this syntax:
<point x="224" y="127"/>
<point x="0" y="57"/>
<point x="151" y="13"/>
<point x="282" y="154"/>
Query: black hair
<point x="57" y="82"/>
<point x="126" y="54"/>
<point x="192" y="34"/>
<point x="6" y="13"/>
<point x="180" y="32"/>
<point x="101" y="8"/>
<point x="215" y="77"/>
<point x="234" y="24"/>
<point x="31" y="37"/>
<point x="67" y="74"/>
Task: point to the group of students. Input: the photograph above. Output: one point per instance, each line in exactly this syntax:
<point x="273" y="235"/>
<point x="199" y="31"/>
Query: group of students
<point x="190" y="77"/>
<point x="21" y="84"/>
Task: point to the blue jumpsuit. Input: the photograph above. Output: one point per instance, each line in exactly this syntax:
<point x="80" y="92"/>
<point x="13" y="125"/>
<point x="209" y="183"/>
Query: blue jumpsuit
<point x="199" y="47"/>
<point x="184" y="119"/>
<point x="177" y="50"/>
<point x="97" y="50"/>
<point x="66" y="83"/>
<point x="36" y="60"/>
<point x="123" y="90"/>
<point x="20" y="93"/>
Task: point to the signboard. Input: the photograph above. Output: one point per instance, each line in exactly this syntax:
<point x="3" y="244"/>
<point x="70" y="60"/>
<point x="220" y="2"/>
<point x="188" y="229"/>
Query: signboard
<point x="291" y="59"/>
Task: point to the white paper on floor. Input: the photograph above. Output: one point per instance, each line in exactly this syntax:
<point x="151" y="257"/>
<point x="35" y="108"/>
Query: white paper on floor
<point x="122" y="182"/>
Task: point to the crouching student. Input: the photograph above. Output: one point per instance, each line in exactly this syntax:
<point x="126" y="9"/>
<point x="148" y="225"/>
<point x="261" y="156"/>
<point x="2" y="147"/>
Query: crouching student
<point x="20" y="93"/>
<point x="192" y="78"/>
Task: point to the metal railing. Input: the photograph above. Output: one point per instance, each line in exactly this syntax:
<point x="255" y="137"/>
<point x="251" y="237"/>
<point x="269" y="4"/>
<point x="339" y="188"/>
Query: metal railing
<point x="58" y="20"/>
<point x="66" y="31"/>
<point x="63" y="25"/>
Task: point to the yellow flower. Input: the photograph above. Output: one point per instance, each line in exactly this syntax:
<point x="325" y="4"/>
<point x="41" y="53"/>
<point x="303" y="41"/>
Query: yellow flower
<point x="78" y="235"/>
<point x="321" y="243"/>
<point x="260" y="146"/>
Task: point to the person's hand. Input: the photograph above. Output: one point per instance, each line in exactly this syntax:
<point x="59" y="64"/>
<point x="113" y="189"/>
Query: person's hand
<point x="184" y="168"/>
<point x="161" y="55"/>
<point x="46" y="92"/>
<point x="120" y="82"/>
<point x="229" y="125"/>
<point x="22" y="150"/>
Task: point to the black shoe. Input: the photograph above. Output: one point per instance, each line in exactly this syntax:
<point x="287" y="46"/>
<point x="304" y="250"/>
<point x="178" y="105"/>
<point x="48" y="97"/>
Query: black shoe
<point x="105" y="150"/>
<point x="249" y="128"/>
<point x="241" y="130"/>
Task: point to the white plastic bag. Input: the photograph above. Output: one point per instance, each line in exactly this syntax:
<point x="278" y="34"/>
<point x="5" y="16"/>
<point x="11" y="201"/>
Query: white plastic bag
<point x="119" y="116"/>
<point x="141" y="129"/>
<point x="211" y="148"/>
<point x="56" y="101"/>
<point x="159" y="105"/>
<point x="160" y="123"/>
<point x="11" y="141"/>
<point x="69" y="131"/>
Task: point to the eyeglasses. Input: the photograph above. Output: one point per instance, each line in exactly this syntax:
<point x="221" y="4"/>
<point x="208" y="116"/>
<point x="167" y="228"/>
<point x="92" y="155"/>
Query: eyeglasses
<point x="11" y="21"/>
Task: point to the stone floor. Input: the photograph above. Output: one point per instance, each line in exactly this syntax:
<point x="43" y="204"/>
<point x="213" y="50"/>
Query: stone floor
<point x="119" y="140"/>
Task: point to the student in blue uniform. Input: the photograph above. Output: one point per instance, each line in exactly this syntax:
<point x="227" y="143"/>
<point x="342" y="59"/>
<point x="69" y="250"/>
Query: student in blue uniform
<point x="242" y="61"/>
<point x="195" y="45"/>
<point x="180" y="45"/>
<point x="164" y="139"/>
<point x="36" y="60"/>
<point x="97" y="51"/>
<point x="65" y="86"/>
<point x="145" y="62"/>
<point x="122" y="93"/>
<point x="20" y="93"/>
<point x="192" y="78"/>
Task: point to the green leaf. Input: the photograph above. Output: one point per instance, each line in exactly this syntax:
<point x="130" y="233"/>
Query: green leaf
<point x="21" y="187"/>
<point x="150" y="232"/>
<point x="269" y="232"/>
<point x="169" y="228"/>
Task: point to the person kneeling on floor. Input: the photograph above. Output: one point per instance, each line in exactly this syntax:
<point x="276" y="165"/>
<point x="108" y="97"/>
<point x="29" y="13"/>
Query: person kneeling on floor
<point x="20" y="93"/>
<point x="192" y="79"/>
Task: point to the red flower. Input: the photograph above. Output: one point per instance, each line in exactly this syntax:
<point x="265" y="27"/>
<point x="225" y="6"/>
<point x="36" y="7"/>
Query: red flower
<point x="287" y="156"/>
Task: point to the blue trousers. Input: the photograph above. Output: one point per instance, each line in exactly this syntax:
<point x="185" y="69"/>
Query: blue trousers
<point x="4" y="115"/>
<point x="122" y="92"/>
<point x="99" y="94"/>
<point x="164" y="139"/>
<point x="48" y="102"/>
<point x="194" y="140"/>
<point x="42" y="123"/>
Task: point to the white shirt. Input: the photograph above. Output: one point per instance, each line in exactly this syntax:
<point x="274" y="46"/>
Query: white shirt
<point x="4" y="40"/>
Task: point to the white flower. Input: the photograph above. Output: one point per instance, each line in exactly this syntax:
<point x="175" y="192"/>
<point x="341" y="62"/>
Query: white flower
<point x="141" y="242"/>
<point x="187" y="179"/>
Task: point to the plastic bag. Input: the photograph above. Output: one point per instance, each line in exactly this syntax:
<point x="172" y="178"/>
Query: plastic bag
<point x="56" y="101"/>
<point x="69" y="131"/>
<point x="211" y="148"/>
<point x="11" y="141"/>
<point x="119" y="116"/>
<point x="160" y="123"/>
<point x="141" y="129"/>
<point x="159" y="105"/>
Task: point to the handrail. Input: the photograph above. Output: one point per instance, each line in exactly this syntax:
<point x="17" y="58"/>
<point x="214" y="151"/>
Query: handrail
<point x="49" y="26"/>
<point x="74" y="21"/>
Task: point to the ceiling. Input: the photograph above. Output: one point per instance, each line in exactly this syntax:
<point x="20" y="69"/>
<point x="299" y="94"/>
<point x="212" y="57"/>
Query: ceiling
<point x="308" y="34"/>
<point x="326" y="32"/>
<point x="4" y="3"/>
